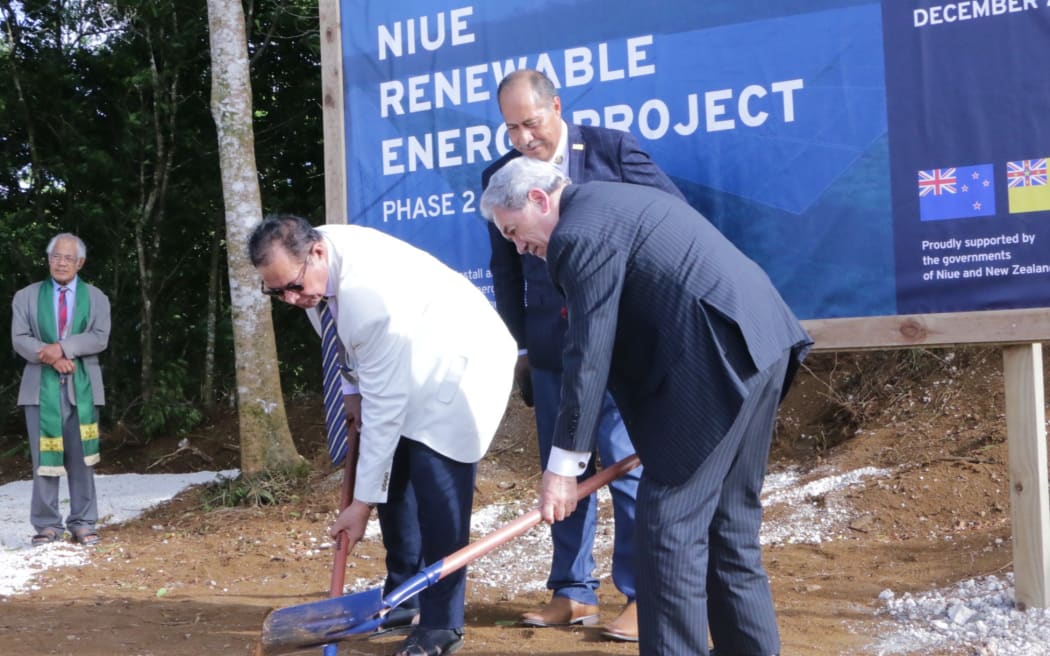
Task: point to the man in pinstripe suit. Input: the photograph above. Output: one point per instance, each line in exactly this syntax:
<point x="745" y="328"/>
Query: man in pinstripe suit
<point x="697" y="348"/>
<point x="535" y="314"/>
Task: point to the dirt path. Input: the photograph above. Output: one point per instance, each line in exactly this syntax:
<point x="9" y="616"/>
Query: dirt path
<point x="182" y="581"/>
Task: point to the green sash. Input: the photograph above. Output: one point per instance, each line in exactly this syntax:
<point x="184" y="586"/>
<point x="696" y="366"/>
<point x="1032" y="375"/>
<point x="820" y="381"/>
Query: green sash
<point x="51" y="389"/>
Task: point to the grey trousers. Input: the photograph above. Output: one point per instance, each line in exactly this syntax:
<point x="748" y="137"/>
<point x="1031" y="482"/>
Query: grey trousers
<point x="44" y="510"/>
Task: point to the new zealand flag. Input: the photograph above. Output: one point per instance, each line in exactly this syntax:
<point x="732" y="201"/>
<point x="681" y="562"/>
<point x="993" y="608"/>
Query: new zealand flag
<point x="961" y="192"/>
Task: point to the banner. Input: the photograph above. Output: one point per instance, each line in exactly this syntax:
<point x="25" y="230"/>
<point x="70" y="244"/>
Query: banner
<point x="874" y="159"/>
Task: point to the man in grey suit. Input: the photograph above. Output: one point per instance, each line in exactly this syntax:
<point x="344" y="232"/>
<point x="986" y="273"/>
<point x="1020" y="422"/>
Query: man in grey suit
<point x="59" y="326"/>
<point x="697" y="348"/>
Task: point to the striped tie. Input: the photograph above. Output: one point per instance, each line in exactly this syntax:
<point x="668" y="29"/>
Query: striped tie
<point x="334" y="412"/>
<point x="63" y="312"/>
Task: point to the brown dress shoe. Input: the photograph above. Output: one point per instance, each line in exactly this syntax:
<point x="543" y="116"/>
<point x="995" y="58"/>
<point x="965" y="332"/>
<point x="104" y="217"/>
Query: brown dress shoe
<point x="562" y="611"/>
<point x="625" y="627"/>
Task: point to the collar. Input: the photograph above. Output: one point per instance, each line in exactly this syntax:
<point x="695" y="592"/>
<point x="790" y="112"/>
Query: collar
<point x="332" y="285"/>
<point x="71" y="285"/>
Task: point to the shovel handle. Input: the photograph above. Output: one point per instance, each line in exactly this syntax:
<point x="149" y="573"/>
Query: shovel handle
<point x="512" y="529"/>
<point x="523" y="524"/>
<point x="342" y="543"/>
<point x="346" y="495"/>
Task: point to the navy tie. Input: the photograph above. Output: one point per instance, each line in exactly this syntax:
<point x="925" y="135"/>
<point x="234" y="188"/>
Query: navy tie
<point x="334" y="412"/>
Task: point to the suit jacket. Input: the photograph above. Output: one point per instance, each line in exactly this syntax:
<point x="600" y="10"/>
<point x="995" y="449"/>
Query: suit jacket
<point x="25" y="336"/>
<point x="669" y="314"/>
<point x="433" y="360"/>
<point x="525" y="297"/>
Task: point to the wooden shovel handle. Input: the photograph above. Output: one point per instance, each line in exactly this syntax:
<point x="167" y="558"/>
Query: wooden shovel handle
<point x="346" y="496"/>
<point x="523" y="524"/>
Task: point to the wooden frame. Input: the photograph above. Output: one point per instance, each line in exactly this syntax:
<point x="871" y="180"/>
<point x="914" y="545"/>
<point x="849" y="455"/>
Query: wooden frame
<point x="1017" y="330"/>
<point x="949" y="329"/>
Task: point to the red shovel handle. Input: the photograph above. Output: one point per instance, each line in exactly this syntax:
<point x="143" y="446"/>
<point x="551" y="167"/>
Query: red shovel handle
<point x="523" y="524"/>
<point x="346" y="496"/>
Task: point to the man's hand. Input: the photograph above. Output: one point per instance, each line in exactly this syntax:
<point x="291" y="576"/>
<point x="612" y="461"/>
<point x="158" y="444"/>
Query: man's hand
<point x="352" y="405"/>
<point x="557" y="497"/>
<point x="50" y="354"/>
<point x="64" y="366"/>
<point x="353" y="521"/>
<point x="523" y="379"/>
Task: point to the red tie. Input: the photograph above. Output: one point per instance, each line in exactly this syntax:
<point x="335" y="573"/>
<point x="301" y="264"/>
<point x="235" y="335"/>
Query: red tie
<point x="63" y="314"/>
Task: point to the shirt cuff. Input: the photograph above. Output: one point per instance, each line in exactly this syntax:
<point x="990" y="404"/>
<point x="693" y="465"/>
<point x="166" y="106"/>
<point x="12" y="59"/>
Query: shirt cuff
<point x="523" y="351"/>
<point x="567" y="463"/>
<point x="350" y="388"/>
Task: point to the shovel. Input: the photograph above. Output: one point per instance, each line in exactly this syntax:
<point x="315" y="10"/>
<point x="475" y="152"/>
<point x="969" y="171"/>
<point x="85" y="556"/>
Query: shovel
<point x="342" y="544"/>
<point x="326" y="621"/>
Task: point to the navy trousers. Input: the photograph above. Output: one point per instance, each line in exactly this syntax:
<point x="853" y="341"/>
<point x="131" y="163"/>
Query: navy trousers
<point x="425" y="518"/>
<point x="702" y="564"/>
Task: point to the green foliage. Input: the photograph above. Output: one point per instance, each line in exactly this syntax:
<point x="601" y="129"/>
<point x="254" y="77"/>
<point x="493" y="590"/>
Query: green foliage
<point x="170" y="409"/>
<point x="21" y="448"/>
<point x="272" y="487"/>
<point x="105" y="90"/>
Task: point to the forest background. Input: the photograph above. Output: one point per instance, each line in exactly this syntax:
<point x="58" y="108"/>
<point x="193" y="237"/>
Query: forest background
<point x="106" y="132"/>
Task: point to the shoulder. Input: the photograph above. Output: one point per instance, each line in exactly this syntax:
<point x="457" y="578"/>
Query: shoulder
<point x="491" y="169"/>
<point x="342" y="235"/>
<point x="97" y="296"/>
<point x="95" y="291"/>
<point x="604" y="205"/>
<point x="602" y="135"/>
<point x="581" y="204"/>
<point x="30" y="290"/>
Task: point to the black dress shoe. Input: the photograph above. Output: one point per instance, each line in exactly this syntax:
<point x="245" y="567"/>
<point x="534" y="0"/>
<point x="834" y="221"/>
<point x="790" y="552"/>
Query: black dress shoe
<point x="431" y="642"/>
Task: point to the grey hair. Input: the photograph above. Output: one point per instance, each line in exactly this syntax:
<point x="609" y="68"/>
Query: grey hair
<point x="509" y="187"/>
<point x="81" y="247"/>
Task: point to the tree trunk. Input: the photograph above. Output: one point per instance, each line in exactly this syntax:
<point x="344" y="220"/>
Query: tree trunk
<point x="208" y="382"/>
<point x="153" y="185"/>
<point x="266" y="442"/>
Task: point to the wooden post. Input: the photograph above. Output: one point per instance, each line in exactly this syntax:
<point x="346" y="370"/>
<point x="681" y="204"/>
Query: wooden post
<point x="332" y="108"/>
<point x="1029" y="497"/>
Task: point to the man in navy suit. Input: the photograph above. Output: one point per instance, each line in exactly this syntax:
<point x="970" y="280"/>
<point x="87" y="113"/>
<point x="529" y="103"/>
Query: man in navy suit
<point x="697" y="348"/>
<point x="535" y="313"/>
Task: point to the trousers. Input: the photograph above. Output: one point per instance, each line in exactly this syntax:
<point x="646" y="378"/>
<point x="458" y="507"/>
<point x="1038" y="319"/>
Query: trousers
<point x="44" y="509"/>
<point x="572" y="564"/>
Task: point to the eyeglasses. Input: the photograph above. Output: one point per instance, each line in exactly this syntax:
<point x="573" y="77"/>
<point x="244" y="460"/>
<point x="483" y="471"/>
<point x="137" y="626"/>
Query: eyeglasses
<point x="68" y="259"/>
<point x="295" y="286"/>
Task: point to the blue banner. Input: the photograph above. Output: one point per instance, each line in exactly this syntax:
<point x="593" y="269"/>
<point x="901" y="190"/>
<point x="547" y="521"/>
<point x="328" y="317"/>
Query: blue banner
<point x="832" y="141"/>
<point x="967" y="105"/>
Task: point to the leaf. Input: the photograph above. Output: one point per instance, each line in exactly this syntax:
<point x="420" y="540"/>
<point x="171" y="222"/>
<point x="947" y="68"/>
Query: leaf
<point x="161" y="592"/>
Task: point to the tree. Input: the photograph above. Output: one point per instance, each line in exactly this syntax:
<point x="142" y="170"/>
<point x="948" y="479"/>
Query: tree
<point x="106" y="131"/>
<point x="266" y="442"/>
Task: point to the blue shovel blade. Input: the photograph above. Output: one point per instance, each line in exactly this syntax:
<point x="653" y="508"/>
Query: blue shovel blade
<point x="318" y="622"/>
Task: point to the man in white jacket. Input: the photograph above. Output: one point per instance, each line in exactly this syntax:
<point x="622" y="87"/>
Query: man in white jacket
<point x="430" y="369"/>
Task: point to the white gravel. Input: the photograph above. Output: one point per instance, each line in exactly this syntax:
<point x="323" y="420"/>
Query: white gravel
<point x="120" y="498"/>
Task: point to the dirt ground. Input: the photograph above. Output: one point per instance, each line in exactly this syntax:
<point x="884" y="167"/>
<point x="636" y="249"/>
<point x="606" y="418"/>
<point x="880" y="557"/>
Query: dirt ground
<point x="184" y="580"/>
